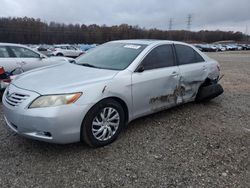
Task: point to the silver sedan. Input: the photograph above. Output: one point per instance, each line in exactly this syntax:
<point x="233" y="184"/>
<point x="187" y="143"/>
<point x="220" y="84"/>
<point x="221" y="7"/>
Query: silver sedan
<point x="92" y="99"/>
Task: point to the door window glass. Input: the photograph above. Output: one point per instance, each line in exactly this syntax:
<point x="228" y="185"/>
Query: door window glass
<point x="21" y="52"/>
<point x="161" y="56"/>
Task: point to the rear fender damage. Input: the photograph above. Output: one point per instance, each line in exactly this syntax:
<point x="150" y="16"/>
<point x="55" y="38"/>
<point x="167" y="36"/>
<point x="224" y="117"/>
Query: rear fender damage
<point x="209" y="92"/>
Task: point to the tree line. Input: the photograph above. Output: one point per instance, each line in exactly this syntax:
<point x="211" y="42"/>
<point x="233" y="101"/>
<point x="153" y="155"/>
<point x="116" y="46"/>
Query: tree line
<point x="34" y="31"/>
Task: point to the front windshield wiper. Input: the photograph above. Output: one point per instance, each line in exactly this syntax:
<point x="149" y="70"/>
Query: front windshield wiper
<point x="88" y="65"/>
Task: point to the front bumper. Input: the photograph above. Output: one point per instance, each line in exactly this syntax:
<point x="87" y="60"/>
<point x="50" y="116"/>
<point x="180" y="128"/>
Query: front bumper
<point x="59" y="125"/>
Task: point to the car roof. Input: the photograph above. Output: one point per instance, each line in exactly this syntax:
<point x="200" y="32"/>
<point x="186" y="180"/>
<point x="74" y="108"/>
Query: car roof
<point x="148" y="41"/>
<point x="12" y="44"/>
<point x="60" y="45"/>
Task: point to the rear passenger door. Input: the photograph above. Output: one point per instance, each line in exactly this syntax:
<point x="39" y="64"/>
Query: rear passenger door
<point x="154" y="82"/>
<point x="193" y="71"/>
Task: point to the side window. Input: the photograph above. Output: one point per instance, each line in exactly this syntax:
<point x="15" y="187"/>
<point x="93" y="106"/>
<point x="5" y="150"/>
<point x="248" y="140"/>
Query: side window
<point x="21" y="52"/>
<point x="187" y="55"/>
<point x="71" y="48"/>
<point x="63" y="47"/>
<point x="161" y="56"/>
<point x="4" y="52"/>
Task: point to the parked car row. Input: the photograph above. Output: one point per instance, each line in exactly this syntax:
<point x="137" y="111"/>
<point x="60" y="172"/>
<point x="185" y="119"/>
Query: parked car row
<point x="65" y="50"/>
<point x="221" y="47"/>
<point x="16" y="59"/>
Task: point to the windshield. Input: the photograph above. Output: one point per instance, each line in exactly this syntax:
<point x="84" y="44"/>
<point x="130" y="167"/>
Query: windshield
<point x="114" y="56"/>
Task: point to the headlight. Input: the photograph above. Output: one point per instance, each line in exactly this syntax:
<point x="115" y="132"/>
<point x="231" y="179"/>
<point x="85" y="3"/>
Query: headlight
<point x="55" y="100"/>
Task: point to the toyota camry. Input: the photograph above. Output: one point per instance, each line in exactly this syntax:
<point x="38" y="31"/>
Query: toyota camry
<point x="92" y="99"/>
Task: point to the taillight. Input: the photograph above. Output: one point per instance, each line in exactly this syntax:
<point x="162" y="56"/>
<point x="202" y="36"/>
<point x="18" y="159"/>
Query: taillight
<point x="8" y="80"/>
<point x="2" y="71"/>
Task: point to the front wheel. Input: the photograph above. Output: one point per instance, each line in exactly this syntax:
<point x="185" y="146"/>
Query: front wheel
<point x="103" y="123"/>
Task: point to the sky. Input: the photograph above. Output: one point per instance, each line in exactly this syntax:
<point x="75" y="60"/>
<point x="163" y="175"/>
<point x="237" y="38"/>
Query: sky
<point x="226" y="15"/>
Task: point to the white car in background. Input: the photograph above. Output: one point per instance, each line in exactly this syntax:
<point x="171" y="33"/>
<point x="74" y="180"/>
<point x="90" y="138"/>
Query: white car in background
<point x="16" y="56"/>
<point x="67" y="51"/>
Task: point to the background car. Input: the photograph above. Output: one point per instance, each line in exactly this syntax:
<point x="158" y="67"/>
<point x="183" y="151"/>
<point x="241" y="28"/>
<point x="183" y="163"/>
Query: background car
<point x="219" y="47"/>
<point x="44" y="49"/>
<point x="13" y="56"/>
<point x="86" y="47"/>
<point x="206" y="48"/>
<point x="67" y="51"/>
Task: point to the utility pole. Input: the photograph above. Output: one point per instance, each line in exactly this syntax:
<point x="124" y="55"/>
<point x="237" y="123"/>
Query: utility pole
<point x="170" y="24"/>
<point x="189" y="22"/>
<point x="246" y="33"/>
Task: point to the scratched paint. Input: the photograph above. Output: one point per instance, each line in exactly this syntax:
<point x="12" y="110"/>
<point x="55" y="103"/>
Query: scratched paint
<point x="103" y="90"/>
<point x="179" y="91"/>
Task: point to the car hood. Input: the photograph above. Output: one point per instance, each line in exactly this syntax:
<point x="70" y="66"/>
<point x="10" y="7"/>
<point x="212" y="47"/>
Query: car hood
<point x="61" y="78"/>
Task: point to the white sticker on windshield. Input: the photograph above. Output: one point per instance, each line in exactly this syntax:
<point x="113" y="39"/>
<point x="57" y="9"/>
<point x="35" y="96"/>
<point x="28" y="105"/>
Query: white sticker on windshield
<point x="136" y="47"/>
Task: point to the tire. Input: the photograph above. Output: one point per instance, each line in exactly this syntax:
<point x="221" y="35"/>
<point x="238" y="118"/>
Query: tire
<point x="93" y="122"/>
<point x="207" y="93"/>
<point x="59" y="54"/>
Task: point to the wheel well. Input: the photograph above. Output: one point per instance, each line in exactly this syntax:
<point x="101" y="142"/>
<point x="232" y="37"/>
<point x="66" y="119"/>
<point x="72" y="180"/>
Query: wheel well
<point x="120" y="101"/>
<point x="207" y="82"/>
<point x="124" y="106"/>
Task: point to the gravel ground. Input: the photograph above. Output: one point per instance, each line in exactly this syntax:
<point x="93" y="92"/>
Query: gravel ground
<point x="193" y="145"/>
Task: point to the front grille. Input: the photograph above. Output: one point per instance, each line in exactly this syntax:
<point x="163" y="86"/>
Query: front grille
<point x="15" y="99"/>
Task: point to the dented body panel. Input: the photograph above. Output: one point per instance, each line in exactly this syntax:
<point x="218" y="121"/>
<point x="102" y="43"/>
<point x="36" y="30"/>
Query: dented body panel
<point x="192" y="76"/>
<point x="154" y="90"/>
<point x="142" y="92"/>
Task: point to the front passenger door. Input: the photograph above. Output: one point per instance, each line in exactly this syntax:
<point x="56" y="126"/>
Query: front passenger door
<point x="26" y="58"/>
<point x="155" y="81"/>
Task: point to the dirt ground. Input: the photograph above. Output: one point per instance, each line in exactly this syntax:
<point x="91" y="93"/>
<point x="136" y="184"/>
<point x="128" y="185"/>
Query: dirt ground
<point x="193" y="145"/>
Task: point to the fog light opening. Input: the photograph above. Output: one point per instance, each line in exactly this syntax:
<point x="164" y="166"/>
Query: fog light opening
<point x="47" y="134"/>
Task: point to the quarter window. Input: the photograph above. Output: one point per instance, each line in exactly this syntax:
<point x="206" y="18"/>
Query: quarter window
<point x="187" y="55"/>
<point x="4" y="52"/>
<point x="21" y="52"/>
<point x="161" y="56"/>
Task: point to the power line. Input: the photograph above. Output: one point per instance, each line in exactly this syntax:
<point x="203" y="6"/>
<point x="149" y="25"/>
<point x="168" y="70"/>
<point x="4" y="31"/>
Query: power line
<point x="170" y="25"/>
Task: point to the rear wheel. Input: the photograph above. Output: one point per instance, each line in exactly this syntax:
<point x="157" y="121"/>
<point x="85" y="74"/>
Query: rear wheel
<point x="59" y="54"/>
<point x="103" y="123"/>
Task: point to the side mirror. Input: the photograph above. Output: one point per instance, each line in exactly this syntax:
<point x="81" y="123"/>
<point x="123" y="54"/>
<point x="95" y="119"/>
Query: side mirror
<point x="140" y="69"/>
<point x="72" y="61"/>
<point x="42" y="56"/>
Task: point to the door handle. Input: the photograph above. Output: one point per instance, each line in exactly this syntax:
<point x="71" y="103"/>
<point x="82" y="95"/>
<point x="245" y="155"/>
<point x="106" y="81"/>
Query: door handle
<point x="204" y="68"/>
<point x="22" y="63"/>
